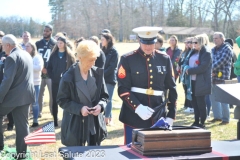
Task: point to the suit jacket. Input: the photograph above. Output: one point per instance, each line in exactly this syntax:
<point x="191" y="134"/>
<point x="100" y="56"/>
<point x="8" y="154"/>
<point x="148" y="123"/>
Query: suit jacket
<point x="17" y="86"/>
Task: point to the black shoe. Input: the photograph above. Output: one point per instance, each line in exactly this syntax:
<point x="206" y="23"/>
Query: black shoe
<point x="34" y="125"/>
<point x="9" y="128"/>
<point x="195" y="124"/>
<point x="201" y="126"/>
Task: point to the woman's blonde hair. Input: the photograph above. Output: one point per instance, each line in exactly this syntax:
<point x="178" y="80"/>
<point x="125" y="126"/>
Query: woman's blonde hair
<point x="88" y="48"/>
<point x="201" y="39"/>
<point x="205" y="36"/>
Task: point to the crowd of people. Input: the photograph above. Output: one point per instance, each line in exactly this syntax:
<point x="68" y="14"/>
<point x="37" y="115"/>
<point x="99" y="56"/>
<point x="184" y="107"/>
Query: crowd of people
<point x="81" y="79"/>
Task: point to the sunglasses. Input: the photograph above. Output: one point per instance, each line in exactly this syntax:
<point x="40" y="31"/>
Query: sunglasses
<point x="195" y="42"/>
<point x="190" y="42"/>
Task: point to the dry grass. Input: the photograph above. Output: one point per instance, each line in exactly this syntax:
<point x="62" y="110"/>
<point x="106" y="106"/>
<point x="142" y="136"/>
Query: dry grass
<point x="226" y="132"/>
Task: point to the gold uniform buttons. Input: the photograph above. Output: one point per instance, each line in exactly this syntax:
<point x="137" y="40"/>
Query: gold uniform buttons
<point x="134" y="105"/>
<point x="128" y="98"/>
<point x="151" y="82"/>
<point x="150" y="87"/>
<point x="131" y="101"/>
<point x="148" y="59"/>
<point x="150" y="70"/>
<point x="137" y="72"/>
<point x="149" y="65"/>
<point x="151" y="77"/>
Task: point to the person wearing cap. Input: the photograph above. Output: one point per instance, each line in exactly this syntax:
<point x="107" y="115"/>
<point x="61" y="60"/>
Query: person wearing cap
<point x="60" y="60"/>
<point x="143" y="75"/>
<point x="106" y="31"/>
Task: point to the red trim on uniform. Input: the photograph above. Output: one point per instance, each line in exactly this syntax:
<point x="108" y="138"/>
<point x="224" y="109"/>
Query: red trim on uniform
<point x="224" y="157"/>
<point x="124" y="94"/>
<point x="134" y="153"/>
<point x="148" y="81"/>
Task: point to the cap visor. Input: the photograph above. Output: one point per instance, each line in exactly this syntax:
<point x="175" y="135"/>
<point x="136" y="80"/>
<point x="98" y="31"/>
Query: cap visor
<point x="148" y="41"/>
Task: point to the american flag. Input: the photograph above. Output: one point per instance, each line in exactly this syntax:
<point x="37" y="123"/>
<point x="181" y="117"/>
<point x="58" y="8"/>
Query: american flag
<point x="46" y="134"/>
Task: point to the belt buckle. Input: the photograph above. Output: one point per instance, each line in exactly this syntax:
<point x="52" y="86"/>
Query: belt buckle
<point x="150" y="92"/>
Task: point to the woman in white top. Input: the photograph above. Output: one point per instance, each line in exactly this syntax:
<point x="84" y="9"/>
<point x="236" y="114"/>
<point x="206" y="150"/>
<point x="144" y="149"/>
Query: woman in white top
<point x="37" y="70"/>
<point x="200" y="69"/>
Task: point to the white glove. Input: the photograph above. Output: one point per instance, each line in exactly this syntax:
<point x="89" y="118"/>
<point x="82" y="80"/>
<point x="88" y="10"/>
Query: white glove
<point x="144" y="112"/>
<point x="169" y="121"/>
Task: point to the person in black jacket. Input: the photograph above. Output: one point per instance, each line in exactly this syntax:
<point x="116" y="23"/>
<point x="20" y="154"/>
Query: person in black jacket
<point x="83" y="96"/>
<point x="110" y="70"/>
<point x="199" y="67"/>
<point x="60" y="60"/>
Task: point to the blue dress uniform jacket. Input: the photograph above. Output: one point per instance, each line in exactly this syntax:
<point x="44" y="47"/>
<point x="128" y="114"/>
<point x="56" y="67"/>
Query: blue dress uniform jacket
<point x="137" y="69"/>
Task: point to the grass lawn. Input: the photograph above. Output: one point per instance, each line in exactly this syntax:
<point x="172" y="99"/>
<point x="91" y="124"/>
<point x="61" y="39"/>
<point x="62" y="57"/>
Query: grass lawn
<point x="115" y="132"/>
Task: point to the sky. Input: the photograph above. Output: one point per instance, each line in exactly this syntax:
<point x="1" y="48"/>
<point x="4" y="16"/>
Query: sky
<point x="37" y="9"/>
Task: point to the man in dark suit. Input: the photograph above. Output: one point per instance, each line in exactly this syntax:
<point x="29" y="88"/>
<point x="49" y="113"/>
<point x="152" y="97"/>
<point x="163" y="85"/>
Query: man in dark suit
<point x="16" y="91"/>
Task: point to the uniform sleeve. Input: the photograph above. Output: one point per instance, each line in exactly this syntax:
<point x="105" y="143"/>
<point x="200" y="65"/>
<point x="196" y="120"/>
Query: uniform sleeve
<point x="226" y="56"/>
<point x="125" y="84"/>
<point x="170" y="85"/>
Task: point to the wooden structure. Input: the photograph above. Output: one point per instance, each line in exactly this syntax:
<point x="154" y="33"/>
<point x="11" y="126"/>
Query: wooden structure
<point x="166" y="142"/>
<point x="182" y="32"/>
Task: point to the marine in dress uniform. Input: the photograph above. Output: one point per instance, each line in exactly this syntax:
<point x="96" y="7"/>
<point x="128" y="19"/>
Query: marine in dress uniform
<point x="143" y="75"/>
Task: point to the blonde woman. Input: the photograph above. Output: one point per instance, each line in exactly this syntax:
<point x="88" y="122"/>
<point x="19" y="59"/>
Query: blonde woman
<point x="83" y="96"/>
<point x="199" y="68"/>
